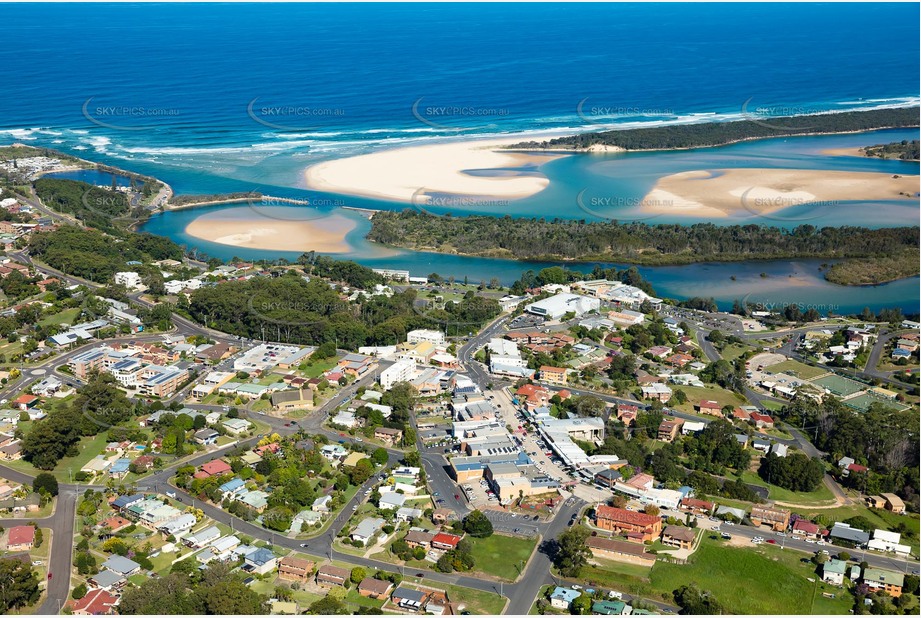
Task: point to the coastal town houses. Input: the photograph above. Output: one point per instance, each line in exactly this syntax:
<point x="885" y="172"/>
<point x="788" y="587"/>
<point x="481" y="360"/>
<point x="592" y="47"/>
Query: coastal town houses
<point x="295" y="569"/>
<point x="777" y="519"/>
<point x="636" y="526"/>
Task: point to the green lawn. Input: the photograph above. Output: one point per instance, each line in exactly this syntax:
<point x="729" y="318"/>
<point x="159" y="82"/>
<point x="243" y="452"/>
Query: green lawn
<point x="89" y="448"/>
<point x="713" y="393"/>
<point x="820" y="496"/>
<point x="800" y="370"/>
<point x="734" y="351"/>
<point x="763" y="580"/>
<point x="315" y="370"/>
<point x="501" y="555"/>
<point x="66" y="316"/>
<point x="477" y="602"/>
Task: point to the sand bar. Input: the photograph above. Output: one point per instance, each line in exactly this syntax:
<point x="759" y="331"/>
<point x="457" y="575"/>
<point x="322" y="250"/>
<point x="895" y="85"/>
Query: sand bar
<point x="738" y="192"/>
<point x="400" y="173"/>
<point x="241" y="227"/>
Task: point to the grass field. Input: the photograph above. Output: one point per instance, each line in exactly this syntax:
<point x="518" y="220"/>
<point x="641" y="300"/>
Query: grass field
<point x="66" y="316"/>
<point x="800" y="370"/>
<point x="501" y="555"/>
<point x="728" y="573"/>
<point x="713" y="393"/>
<point x="734" y="351"/>
<point x="820" y="496"/>
<point x="479" y="602"/>
<point x="89" y="448"/>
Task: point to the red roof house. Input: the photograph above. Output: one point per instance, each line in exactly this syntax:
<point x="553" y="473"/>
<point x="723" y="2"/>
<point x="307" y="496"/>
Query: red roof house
<point x="214" y="468"/>
<point x="762" y="420"/>
<point x="21" y="538"/>
<point x="95" y="603"/>
<point x="443" y="540"/>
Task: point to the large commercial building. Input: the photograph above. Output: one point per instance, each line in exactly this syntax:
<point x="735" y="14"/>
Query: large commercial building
<point x="400" y="371"/>
<point x="559" y="305"/>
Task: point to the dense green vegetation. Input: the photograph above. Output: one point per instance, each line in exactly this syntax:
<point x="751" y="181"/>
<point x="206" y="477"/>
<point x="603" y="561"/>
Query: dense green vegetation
<point x="884" y="440"/>
<point x="290" y="309"/>
<point x="94" y="206"/>
<point x="95" y="256"/>
<point x="796" y="472"/>
<point x="635" y="243"/>
<point x="183" y="200"/>
<point x="875" y="270"/>
<point x="718" y="133"/>
<point x="214" y="590"/>
<point x="19" y="586"/>
<point x="904" y="150"/>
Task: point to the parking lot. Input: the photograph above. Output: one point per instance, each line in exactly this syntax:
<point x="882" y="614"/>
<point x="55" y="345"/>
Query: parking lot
<point x="526" y="320"/>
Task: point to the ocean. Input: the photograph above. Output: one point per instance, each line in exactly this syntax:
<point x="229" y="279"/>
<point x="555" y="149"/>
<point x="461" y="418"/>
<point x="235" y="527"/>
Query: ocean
<point x="220" y="98"/>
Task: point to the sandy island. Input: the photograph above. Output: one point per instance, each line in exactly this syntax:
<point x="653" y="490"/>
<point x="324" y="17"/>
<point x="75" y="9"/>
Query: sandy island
<point x="241" y="227"/>
<point x="728" y="192"/>
<point x="846" y="152"/>
<point x="399" y="174"/>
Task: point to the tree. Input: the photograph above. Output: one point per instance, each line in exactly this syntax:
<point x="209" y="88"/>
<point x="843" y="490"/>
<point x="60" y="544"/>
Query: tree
<point x="358" y="574"/>
<point x="695" y="602"/>
<point x="582" y="604"/>
<point x="572" y="553"/>
<point x="327" y="606"/>
<point x="379" y="456"/>
<point x="45" y="482"/>
<point x="18" y="585"/>
<point x="79" y="592"/>
<point x="651" y="509"/>
<point x="232" y="596"/>
<point x="477" y="525"/>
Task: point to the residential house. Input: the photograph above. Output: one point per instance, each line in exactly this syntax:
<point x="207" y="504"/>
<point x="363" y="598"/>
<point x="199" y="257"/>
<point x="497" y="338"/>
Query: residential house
<point x="894" y="504"/>
<point x="668" y="429"/>
<point x="121" y="565"/>
<point x="853" y="536"/>
<point x="97" y="602"/>
<point x="329" y="575"/>
<point x="21" y="538"/>
<point x="553" y="375"/>
<point x="710" y="407"/>
<point x="295" y="569"/>
<point x="388" y="435"/>
<point x="889" y="582"/>
<point x="374" y="588"/>
<point x="206" y="436"/>
<point x="562" y="598"/>
<point x="418" y="538"/>
<point x="107" y="580"/>
<point x="833" y="571"/>
<point x="445" y="541"/>
<point x="762" y="421"/>
<point x="777" y="519"/>
<point x="621" y="551"/>
<point x="260" y="561"/>
<point x="610" y="608"/>
<point x="216" y="467"/>
<point x="648" y="527"/>
<point x="407" y="598"/>
<point x="696" y="506"/>
<point x="805" y="529"/>
<point x="678" y="536"/>
<point x="367" y="529"/>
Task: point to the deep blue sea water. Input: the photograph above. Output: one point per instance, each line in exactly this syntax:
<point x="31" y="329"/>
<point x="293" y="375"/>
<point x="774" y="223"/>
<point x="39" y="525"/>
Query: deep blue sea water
<point x="215" y="98"/>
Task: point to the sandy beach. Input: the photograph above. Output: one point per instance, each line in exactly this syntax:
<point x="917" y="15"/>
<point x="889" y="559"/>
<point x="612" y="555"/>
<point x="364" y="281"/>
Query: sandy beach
<point x="845" y="152"/>
<point x="724" y="193"/>
<point x="399" y="174"/>
<point x="241" y="227"/>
